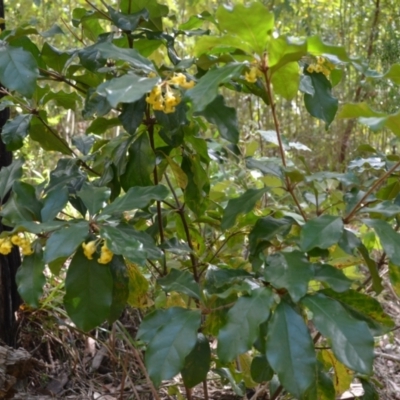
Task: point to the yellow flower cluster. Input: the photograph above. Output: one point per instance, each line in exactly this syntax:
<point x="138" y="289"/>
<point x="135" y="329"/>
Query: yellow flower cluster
<point x="89" y="249"/>
<point x="169" y="100"/>
<point x="252" y="75"/>
<point x="6" y="245"/>
<point x="322" y="66"/>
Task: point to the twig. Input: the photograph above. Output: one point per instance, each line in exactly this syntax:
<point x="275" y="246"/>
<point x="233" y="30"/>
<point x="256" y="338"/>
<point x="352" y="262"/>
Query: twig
<point x="72" y="32"/>
<point x="60" y="78"/>
<point x="375" y="185"/>
<point x="106" y="16"/>
<point x="387" y="356"/>
<point x="268" y="87"/>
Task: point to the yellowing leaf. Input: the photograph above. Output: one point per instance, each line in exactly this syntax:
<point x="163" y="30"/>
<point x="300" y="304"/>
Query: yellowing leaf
<point x="343" y="376"/>
<point x="138" y="287"/>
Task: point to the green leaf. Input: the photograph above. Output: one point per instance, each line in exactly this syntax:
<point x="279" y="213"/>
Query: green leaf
<point x="136" y="197"/>
<point x="63" y="99"/>
<point x="260" y="369"/>
<point x="266" y="167"/>
<point x="226" y="373"/>
<point x="322" y="104"/>
<point x="207" y="87"/>
<point x="96" y="56"/>
<point x="63" y="242"/>
<point x="8" y="175"/>
<point x="128" y="22"/>
<point x="241" y="205"/>
<point x="357" y="110"/>
<point x="94" y="198"/>
<point x="218" y="113"/>
<point x="317" y="47"/>
<point x="284" y="50"/>
<point x="30" y="277"/>
<point x="352" y="342"/>
<point x="48" y="139"/>
<point x="120" y="292"/>
<point x="132" y="115"/>
<point x="101" y="125"/>
<point x="89" y="291"/>
<point x="267" y="228"/>
<point x="53" y="203"/>
<point x="172" y="335"/>
<point x="15" y="130"/>
<point x="244" y="318"/>
<point x="141" y="163"/>
<point x="182" y="282"/>
<point x="291" y="271"/>
<point x="253" y="25"/>
<point x="389" y="238"/>
<point x="95" y="105"/>
<point x="286" y="80"/>
<point x="18" y="69"/>
<point x="372" y="268"/>
<point x="122" y="243"/>
<point x="25" y="195"/>
<point x="197" y="363"/>
<point x="290" y="350"/>
<point x="128" y="88"/>
<point x="54" y="58"/>
<point x="365" y="308"/>
<point x="334" y="277"/>
<point x="394" y="74"/>
<point x="322" y="232"/>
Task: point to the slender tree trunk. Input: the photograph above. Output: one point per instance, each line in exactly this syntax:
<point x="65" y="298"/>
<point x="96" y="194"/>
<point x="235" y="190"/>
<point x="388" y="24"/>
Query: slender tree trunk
<point x="9" y="297"/>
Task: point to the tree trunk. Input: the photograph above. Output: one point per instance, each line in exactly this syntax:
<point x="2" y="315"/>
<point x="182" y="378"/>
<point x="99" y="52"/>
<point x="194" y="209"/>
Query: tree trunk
<point x="9" y="297"/>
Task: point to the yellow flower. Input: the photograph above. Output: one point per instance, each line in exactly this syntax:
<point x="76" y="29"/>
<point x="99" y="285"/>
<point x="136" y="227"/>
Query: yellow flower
<point x="251" y="76"/>
<point x="106" y="255"/>
<point x="320" y="60"/>
<point x="180" y="80"/>
<point x="5" y="246"/>
<point x="89" y="249"/>
<point x="17" y="240"/>
<point x="318" y="68"/>
<point x="310" y="68"/>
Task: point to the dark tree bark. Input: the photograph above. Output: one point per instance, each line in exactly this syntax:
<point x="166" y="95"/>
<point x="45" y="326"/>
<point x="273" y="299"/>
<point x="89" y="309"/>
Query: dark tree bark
<point x="9" y="297"/>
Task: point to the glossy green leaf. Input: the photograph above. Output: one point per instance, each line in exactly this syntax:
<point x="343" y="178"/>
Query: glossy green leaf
<point x="389" y="238"/>
<point x="283" y="50"/>
<point x="15" y="130"/>
<point x="322" y="232"/>
<point x="96" y="56"/>
<point x="141" y="163"/>
<point x="244" y="318"/>
<point x="291" y="271"/>
<point x="172" y="335"/>
<point x="365" y="308"/>
<point x="69" y="101"/>
<point x="30" y="278"/>
<point x="240" y="205"/>
<point x="63" y="242"/>
<point x="224" y="117"/>
<point x="89" y="291"/>
<point x="370" y="392"/>
<point x="322" y="104"/>
<point x="197" y="363"/>
<point x="317" y="47"/>
<point x="266" y="167"/>
<point x="332" y="276"/>
<point x="8" y="175"/>
<point x="286" y="80"/>
<point x="290" y="350"/>
<point x="261" y="371"/>
<point x="182" y="282"/>
<point x="253" y="25"/>
<point x="123" y="244"/>
<point x="128" y="22"/>
<point x="101" y="125"/>
<point x="132" y="115"/>
<point x="25" y="195"/>
<point x="128" y="88"/>
<point x="53" y="203"/>
<point x="18" y="69"/>
<point x="48" y="139"/>
<point x="136" y="197"/>
<point x="120" y="291"/>
<point x="206" y="88"/>
<point x="95" y="104"/>
<point x="55" y="58"/>
<point x="352" y="342"/>
<point x="94" y="198"/>
<point x="372" y="268"/>
<point x="357" y="110"/>
<point x="267" y="229"/>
